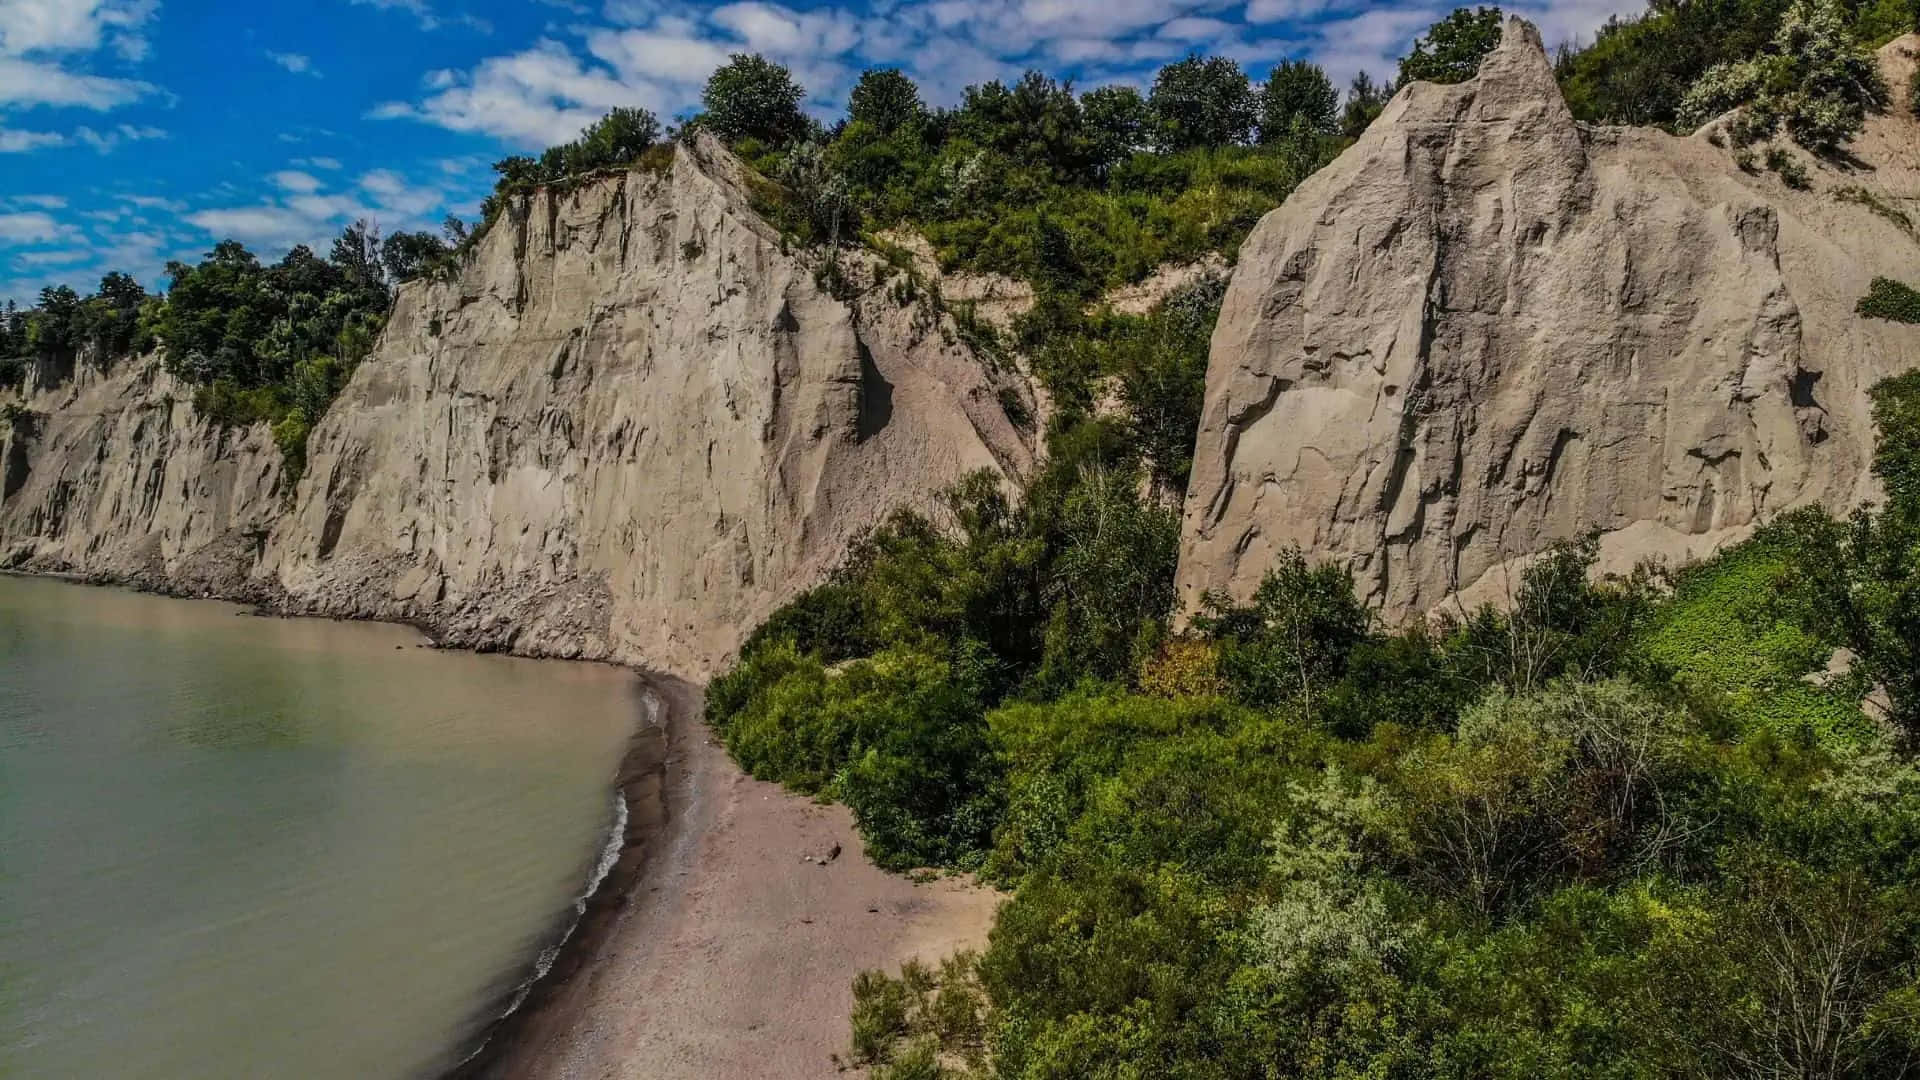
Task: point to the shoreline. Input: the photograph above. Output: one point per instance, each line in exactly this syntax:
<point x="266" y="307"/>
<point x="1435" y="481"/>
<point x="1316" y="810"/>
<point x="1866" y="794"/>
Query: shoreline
<point x="725" y="938"/>
<point x="650" y="815"/>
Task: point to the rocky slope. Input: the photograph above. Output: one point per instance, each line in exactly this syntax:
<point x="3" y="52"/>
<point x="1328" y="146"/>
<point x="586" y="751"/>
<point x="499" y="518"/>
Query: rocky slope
<point x="633" y="426"/>
<point x="110" y="473"/>
<point x="1487" y="327"/>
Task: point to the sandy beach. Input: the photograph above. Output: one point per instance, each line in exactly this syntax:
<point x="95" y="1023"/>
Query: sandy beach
<point x="724" y="948"/>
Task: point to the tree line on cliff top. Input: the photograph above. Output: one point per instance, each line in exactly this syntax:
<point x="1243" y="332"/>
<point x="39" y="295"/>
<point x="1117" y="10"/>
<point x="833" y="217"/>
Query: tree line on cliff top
<point x="1087" y="189"/>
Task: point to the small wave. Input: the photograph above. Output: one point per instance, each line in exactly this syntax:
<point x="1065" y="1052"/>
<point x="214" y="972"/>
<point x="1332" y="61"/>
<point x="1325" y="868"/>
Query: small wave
<point x="609" y="858"/>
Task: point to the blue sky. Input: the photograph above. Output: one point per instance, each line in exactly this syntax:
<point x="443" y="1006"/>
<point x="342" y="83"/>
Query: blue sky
<point x="137" y="131"/>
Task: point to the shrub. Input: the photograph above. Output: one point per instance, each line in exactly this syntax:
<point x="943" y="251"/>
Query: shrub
<point x="1814" y="79"/>
<point x="1791" y="172"/>
<point x="1889" y="299"/>
<point x="1862" y="197"/>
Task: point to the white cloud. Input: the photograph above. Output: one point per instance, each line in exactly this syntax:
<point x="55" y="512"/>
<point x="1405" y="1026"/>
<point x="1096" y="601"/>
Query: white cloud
<point x="534" y="98"/>
<point x="106" y="141"/>
<point x="75" y="26"/>
<point x="38" y="202"/>
<point x="259" y="226"/>
<point x="13" y="141"/>
<point x="55" y="257"/>
<point x="316" y="163"/>
<point x="154" y="202"/>
<point x="294" y="180"/>
<point x="394" y="195"/>
<point x="424" y="13"/>
<point x="43" y="44"/>
<point x="31" y="82"/>
<point x="34" y="227"/>
<point x="306" y="214"/>
<point x="298" y="63"/>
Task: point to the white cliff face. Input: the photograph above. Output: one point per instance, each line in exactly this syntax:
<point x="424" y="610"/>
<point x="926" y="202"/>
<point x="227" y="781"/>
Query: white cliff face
<point x="1486" y="328"/>
<point x="632" y="428"/>
<point x="111" y="474"/>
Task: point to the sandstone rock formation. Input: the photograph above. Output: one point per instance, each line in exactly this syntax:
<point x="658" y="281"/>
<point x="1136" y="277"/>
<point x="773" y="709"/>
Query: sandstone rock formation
<point x="1487" y="327"/>
<point x="111" y="474"/>
<point x="634" y="425"/>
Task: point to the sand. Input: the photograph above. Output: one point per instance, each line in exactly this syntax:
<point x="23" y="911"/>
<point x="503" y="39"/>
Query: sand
<point x="727" y="949"/>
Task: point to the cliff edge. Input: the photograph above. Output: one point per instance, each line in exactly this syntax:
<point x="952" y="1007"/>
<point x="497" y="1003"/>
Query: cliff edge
<point x="1487" y="327"/>
<point x="633" y="425"/>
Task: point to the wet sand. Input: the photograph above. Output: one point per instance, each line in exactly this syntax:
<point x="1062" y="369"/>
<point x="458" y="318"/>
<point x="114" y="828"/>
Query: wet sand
<point x="720" y="947"/>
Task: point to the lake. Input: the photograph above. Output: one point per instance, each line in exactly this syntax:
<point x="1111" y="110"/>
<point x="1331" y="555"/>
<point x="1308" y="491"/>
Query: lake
<point x="234" y="846"/>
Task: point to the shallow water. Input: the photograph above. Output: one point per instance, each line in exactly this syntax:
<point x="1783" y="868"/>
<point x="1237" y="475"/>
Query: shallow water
<point x="243" y="847"/>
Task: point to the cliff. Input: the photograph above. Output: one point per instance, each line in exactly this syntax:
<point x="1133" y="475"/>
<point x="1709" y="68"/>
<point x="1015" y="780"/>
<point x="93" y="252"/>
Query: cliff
<point x="110" y="473"/>
<point x="632" y="426"/>
<point x="1487" y="327"/>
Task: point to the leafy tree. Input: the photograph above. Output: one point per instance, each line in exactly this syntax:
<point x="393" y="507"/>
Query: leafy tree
<point x="1857" y="582"/>
<point x="1451" y="49"/>
<point x="1036" y="123"/>
<point x="751" y="97"/>
<point x="1815" y="80"/>
<point x="1293" y="640"/>
<point x="356" y="253"/>
<point x="1298" y="98"/>
<point x="407" y="255"/>
<point x="1202" y="101"/>
<point x="1118" y="122"/>
<point x="887" y="101"/>
<point x="1365" y="101"/>
<point x="615" y="139"/>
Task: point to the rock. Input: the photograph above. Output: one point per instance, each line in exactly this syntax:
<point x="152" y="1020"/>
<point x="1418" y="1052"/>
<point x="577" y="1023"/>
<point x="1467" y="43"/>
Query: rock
<point x="634" y="425"/>
<point x="110" y="475"/>
<point x="1486" y="328"/>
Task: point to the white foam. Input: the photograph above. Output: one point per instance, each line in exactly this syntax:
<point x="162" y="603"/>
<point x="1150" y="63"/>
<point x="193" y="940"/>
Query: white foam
<point x="609" y="858"/>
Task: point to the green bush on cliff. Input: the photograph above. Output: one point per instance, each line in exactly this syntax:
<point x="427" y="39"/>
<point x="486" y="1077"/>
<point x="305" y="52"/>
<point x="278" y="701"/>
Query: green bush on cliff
<point x="1558" y="840"/>
<point x="1891" y="300"/>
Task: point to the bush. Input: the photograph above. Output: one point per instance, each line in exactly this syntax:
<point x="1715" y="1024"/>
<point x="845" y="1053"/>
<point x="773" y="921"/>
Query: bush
<point x="1814" y="79"/>
<point x="1891" y="300"/>
<point x="1792" y="173"/>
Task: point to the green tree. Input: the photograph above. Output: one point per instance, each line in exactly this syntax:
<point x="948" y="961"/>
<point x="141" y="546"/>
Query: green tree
<point x="1118" y="122"/>
<point x="1293" y="640"/>
<point x="615" y="139"/>
<point x="1815" y="80"/>
<point x="407" y="255"/>
<point x="1451" y="49"/>
<point x="1298" y="98"/>
<point x="751" y="97"/>
<point x="1202" y="101"/>
<point x="1365" y="101"/>
<point x="887" y="101"/>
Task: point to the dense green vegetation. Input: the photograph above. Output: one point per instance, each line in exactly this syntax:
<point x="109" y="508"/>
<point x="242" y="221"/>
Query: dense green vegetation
<point x="1632" y="828"/>
<point x="1890" y="299"/>
<point x="1623" y="829"/>
<point x="1643" y="69"/>
<point x="259" y="343"/>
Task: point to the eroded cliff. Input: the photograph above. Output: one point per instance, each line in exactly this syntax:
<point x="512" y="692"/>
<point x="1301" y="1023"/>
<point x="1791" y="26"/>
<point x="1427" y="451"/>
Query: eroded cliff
<point x="632" y="426"/>
<point x="1487" y="327"/>
<point x="109" y="473"/>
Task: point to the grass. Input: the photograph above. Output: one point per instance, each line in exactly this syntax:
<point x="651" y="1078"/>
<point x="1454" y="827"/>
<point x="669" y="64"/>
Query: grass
<point x="1725" y="641"/>
<point x="1862" y="197"/>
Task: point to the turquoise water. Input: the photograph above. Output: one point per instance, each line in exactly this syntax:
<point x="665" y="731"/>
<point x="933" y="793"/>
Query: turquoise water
<point x="244" y="847"/>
